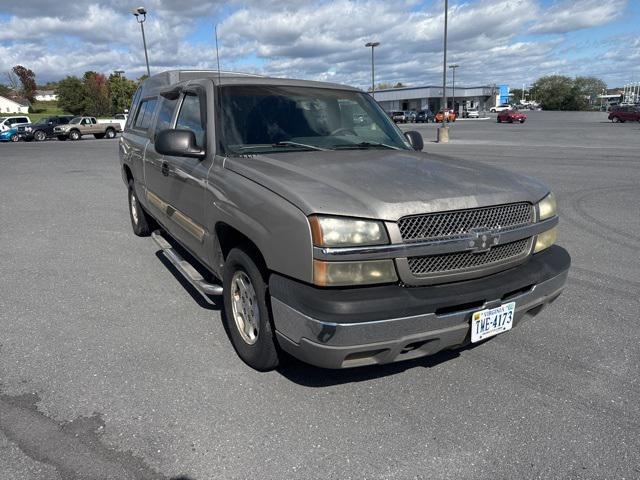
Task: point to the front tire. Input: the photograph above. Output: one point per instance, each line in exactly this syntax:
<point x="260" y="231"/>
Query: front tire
<point x="74" y="135"/>
<point x="39" y="136"/>
<point x="14" y="138"/>
<point x="140" y="220"/>
<point x="247" y="313"/>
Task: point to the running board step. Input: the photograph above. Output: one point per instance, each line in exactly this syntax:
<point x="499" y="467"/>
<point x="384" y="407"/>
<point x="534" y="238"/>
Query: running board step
<point x="186" y="269"/>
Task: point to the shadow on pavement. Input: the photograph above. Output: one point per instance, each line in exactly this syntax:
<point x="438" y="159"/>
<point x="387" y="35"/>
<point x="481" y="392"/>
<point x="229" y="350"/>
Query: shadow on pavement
<point x="310" y="376"/>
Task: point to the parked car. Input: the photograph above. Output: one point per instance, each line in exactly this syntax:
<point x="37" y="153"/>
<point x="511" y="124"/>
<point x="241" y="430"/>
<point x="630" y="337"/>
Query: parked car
<point x="511" y="116"/>
<point x="120" y="118"/>
<point x="398" y="117"/>
<point x="451" y="116"/>
<point x="501" y="108"/>
<point x="80" y="126"/>
<point x="410" y="115"/>
<point x="341" y="246"/>
<point x="425" y="116"/>
<point x="623" y="113"/>
<point x="471" y="113"/>
<point x="43" y="128"/>
<point x="7" y="123"/>
<point x="10" y="135"/>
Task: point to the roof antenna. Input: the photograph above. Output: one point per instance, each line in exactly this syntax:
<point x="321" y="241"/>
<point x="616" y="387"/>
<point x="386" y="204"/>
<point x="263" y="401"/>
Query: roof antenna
<point x="215" y="31"/>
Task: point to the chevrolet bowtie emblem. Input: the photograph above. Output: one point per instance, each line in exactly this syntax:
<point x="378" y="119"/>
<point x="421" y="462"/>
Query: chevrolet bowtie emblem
<point x="483" y="239"/>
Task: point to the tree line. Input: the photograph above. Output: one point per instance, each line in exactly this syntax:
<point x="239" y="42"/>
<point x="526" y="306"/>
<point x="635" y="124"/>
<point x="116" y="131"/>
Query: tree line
<point x="95" y="94"/>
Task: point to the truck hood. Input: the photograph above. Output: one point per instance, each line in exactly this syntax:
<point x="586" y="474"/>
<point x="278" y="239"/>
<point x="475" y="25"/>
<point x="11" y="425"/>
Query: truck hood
<point x="383" y="184"/>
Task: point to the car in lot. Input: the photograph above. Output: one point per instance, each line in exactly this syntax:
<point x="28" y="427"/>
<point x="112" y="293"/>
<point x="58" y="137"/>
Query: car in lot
<point x="80" y="126"/>
<point x="451" y="116"/>
<point x="410" y="115"/>
<point x="471" y="113"/>
<point x="510" y="116"/>
<point x="425" y="116"/>
<point x="501" y="108"/>
<point x="10" y="135"/>
<point x="344" y="245"/>
<point x="625" y="113"/>
<point x="7" y="123"/>
<point x="398" y="117"/>
<point x="43" y="128"/>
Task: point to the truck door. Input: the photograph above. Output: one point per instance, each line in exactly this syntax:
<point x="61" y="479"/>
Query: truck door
<point x="185" y="176"/>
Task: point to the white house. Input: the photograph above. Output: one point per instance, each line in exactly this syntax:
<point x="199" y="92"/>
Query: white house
<point x="13" y="106"/>
<point x="45" y="96"/>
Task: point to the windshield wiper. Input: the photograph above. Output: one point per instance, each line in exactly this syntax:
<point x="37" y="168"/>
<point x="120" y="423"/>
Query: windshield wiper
<point x="364" y="145"/>
<point x="284" y="143"/>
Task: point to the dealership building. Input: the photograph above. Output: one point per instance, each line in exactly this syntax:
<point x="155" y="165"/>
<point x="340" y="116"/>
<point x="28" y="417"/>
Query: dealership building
<point x="421" y="98"/>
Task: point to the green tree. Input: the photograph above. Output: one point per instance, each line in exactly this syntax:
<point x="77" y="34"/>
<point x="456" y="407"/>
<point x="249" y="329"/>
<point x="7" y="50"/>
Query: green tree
<point x="71" y="95"/>
<point x="555" y="92"/>
<point x="589" y="88"/>
<point x="121" y="91"/>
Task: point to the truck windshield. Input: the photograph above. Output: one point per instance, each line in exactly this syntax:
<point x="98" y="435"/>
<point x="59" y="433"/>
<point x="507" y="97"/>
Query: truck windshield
<point x="258" y="119"/>
<point x="76" y="120"/>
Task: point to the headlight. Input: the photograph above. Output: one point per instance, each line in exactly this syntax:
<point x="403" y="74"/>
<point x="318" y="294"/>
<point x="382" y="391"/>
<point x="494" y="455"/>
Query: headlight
<point x="547" y="207"/>
<point x="333" y="274"/>
<point x="346" y="232"/>
<point x="545" y="239"/>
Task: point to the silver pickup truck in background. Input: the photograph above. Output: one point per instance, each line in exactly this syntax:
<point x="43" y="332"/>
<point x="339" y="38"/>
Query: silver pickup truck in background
<point x="337" y="241"/>
<point x="80" y="126"/>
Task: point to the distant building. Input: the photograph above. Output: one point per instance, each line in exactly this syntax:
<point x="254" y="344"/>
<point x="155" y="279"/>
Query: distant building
<point x="46" y="96"/>
<point x="16" y="105"/>
<point x="420" y="98"/>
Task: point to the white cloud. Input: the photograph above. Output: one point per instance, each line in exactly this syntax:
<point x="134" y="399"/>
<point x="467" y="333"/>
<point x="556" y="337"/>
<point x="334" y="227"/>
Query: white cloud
<point x="571" y="15"/>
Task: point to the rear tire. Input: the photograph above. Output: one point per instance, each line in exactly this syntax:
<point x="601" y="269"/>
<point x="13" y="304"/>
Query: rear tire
<point x="110" y="133"/>
<point x="499" y="120"/>
<point x="140" y="220"/>
<point x="14" y="138"/>
<point x="247" y="312"/>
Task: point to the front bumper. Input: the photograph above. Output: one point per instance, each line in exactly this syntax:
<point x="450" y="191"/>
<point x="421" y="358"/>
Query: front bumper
<point x="340" y="328"/>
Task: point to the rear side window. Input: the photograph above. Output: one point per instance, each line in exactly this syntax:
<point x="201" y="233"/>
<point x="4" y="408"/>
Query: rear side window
<point x="145" y="113"/>
<point x="190" y="118"/>
<point x="165" y="114"/>
<point x="134" y="104"/>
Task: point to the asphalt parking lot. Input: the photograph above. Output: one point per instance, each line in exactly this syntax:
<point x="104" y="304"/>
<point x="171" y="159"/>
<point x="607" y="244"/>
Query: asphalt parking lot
<point x="110" y="367"/>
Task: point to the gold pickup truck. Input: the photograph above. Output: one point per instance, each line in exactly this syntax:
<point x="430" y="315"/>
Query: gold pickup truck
<point x="80" y="126"/>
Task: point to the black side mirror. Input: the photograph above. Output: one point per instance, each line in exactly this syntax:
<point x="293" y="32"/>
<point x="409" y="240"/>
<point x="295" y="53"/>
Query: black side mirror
<point x="178" y="143"/>
<point x="415" y="139"/>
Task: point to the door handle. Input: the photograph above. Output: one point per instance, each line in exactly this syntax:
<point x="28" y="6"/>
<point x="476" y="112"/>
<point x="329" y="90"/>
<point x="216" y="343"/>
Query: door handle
<point x="165" y="169"/>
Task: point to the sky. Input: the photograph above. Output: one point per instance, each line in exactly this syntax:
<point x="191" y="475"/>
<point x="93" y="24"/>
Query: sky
<point x="493" y="41"/>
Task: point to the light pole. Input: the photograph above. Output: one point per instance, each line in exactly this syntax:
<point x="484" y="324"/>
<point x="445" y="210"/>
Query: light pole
<point x="444" y="63"/>
<point x="373" y="85"/>
<point x="453" y="71"/>
<point x="141" y="15"/>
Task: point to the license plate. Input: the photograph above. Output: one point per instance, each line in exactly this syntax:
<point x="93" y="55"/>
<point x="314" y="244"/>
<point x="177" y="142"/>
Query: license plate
<point x="490" y="322"/>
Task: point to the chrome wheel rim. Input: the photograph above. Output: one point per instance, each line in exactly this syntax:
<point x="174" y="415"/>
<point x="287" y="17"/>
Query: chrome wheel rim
<point x="39" y="136"/>
<point x="244" y="306"/>
<point x="134" y="207"/>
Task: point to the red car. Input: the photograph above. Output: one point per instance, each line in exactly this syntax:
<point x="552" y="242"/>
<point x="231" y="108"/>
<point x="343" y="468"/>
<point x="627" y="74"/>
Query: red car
<point x="511" y="116"/>
<point x="624" y="113"/>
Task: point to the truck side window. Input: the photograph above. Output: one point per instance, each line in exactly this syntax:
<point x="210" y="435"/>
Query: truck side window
<point x="165" y="115"/>
<point x="190" y="118"/>
<point x="145" y="113"/>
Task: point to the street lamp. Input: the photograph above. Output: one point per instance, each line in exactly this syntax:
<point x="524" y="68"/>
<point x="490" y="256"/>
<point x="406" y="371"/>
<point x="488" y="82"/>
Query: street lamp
<point x="444" y="62"/>
<point x="453" y="70"/>
<point x="373" y="85"/>
<point x="141" y="15"/>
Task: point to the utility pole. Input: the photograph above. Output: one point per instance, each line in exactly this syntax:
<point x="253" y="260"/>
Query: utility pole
<point x="444" y="61"/>
<point x="453" y="72"/>
<point x="373" y="78"/>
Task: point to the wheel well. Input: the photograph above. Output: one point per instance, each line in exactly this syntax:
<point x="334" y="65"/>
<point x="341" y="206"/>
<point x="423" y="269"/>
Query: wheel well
<point x="229" y="238"/>
<point x="127" y="173"/>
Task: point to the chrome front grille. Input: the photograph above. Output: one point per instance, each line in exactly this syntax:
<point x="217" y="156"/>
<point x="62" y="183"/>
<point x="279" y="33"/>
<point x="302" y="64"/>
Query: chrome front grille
<point x="460" y="262"/>
<point x="433" y="226"/>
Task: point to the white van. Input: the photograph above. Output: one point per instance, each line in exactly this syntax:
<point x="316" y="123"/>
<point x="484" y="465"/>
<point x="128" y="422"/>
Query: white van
<point x="7" y="123"/>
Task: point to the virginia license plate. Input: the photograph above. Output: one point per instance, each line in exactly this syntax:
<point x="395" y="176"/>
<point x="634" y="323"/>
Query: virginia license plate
<point x="490" y="322"/>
